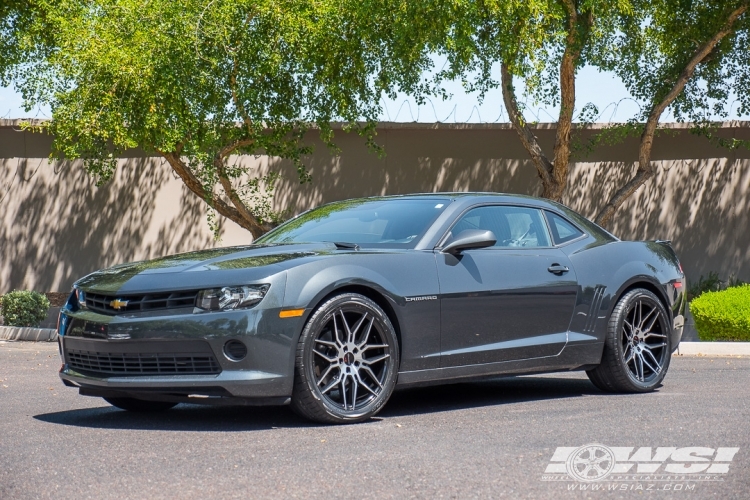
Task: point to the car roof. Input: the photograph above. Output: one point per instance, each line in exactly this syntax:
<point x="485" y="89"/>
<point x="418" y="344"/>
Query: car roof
<point x="456" y="195"/>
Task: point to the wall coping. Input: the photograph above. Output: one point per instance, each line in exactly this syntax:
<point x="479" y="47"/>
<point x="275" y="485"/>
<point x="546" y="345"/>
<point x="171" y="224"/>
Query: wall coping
<point x="385" y="125"/>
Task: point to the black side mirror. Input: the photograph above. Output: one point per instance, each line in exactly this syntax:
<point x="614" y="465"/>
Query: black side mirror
<point x="468" y="239"/>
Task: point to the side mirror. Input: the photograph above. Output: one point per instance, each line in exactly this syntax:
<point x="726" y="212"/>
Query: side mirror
<point x="468" y="239"/>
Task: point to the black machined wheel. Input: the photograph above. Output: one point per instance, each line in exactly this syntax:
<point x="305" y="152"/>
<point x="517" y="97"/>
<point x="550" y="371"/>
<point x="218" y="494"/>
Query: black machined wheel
<point x="347" y="361"/>
<point x="139" y="405"/>
<point x="637" y="349"/>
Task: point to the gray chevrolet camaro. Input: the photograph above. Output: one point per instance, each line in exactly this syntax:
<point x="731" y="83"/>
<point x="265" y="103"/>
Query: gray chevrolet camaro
<point x="334" y="309"/>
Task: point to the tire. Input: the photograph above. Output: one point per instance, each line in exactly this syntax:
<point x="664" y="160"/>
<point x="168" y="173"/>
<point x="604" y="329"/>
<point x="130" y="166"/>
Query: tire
<point x="347" y="361"/>
<point x="637" y="348"/>
<point x="139" y="405"/>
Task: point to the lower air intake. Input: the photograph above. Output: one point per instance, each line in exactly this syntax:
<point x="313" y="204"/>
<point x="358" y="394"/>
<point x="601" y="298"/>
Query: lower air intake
<point x="127" y="364"/>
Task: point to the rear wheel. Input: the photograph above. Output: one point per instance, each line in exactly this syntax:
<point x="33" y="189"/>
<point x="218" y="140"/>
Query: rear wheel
<point x="347" y="361"/>
<point x="637" y="348"/>
<point x="139" y="405"/>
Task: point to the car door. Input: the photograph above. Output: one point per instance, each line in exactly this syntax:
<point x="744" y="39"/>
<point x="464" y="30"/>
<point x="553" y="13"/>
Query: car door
<point x="511" y="301"/>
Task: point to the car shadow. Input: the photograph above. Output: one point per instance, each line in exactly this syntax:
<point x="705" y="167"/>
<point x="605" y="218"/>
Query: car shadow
<point x="415" y="401"/>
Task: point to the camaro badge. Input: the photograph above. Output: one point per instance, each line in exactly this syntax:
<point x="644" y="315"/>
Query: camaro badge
<point x="119" y="304"/>
<point x="417" y="299"/>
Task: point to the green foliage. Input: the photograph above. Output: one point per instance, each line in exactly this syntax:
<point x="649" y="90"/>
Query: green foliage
<point x="12" y="18"/>
<point x="712" y="283"/>
<point x="23" y="308"/>
<point x="723" y="315"/>
<point x="200" y="80"/>
<point x="530" y="37"/>
<point x="650" y="47"/>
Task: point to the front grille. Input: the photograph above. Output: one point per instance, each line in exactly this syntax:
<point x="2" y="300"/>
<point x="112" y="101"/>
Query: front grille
<point x="144" y="302"/>
<point x="132" y="364"/>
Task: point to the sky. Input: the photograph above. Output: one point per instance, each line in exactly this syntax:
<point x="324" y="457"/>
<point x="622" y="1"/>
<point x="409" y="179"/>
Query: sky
<point x="602" y="89"/>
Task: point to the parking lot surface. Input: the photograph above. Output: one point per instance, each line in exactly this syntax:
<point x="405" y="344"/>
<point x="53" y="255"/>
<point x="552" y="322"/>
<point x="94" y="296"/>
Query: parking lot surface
<point x="491" y="439"/>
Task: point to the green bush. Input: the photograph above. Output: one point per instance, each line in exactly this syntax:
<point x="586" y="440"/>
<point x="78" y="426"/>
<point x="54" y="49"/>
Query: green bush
<point x="711" y="284"/>
<point x="703" y="285"/>
<point x="723" y="315"/>
<point x="23" y="308"/>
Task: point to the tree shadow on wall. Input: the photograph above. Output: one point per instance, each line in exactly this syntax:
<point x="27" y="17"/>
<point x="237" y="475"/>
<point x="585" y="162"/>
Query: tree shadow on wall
<point x="66" y="227"/>
<point x="415" y="162"/>
<point x="699" y="198"/>
<point x="702" y="205"/>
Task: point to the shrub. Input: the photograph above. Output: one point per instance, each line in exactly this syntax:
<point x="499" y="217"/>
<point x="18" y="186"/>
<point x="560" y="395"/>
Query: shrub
<point x="23" y="308"/>
<point x="703" y="285"/>
<point x="723" y="315"/>
<point x="711" y="284"/>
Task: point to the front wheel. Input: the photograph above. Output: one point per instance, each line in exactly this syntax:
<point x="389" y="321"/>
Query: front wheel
<point x="637" y="348"/>
<point x="347" y="361"/>
<point x="139" y="405"/>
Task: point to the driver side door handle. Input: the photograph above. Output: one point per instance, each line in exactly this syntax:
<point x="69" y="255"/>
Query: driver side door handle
<point x="557" y="269"/>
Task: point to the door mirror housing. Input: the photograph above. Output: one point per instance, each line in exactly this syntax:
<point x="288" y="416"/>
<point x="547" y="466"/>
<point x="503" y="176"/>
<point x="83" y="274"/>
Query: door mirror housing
<point x="468" y="239"/>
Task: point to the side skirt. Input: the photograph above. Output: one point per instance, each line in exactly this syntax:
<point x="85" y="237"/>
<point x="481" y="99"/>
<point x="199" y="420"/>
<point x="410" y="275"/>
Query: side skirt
<point x="573" y="357"/>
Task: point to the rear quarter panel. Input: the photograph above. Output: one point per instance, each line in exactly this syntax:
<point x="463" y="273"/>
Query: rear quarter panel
<point x="606" y="271"/>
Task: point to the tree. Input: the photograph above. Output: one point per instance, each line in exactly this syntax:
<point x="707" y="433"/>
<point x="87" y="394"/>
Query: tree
<point x="687" y="56"/>
<point x="544" y="43"/>
<point x="199" y="80"/>
<point x="8" y="51"/>
<point x="15" y="20"/>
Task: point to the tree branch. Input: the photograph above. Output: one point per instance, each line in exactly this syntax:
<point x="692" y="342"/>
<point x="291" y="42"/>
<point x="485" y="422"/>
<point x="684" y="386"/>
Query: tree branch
<point x="226" y="184"/>
<point x="528" y="139"/>
<point x="645" y="168"/>
<point x="189" y="179"/>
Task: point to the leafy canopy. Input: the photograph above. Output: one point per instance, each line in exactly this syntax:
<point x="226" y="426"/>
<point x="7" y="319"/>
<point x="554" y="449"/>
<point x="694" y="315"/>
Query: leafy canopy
<point x="200" y="80"/>
<point x="656" y="41"/>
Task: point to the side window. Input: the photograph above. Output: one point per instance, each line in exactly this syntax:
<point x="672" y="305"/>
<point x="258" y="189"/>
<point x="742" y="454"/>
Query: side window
<point x="562" y="230"/>
<point x="512" y="226"/>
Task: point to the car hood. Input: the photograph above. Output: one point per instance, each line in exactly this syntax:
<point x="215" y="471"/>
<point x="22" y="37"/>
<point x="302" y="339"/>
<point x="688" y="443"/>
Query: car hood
<point x="214" y="267"/>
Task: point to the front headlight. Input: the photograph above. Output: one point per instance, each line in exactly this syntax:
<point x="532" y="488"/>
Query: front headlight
<point x="230" y="297"/>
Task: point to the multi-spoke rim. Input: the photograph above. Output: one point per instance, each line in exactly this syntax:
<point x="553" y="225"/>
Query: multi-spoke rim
<point x="644" y="341"/>
<point x="350" y="358"/>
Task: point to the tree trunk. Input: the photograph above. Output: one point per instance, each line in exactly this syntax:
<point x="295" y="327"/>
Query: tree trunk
<point x="646" y="169"/>
<point x="553" y="174"/>
<point x="245" y="220"/>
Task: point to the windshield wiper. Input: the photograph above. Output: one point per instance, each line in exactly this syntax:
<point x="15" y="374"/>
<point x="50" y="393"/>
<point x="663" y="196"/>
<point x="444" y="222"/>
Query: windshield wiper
<point x="344" y="245"/>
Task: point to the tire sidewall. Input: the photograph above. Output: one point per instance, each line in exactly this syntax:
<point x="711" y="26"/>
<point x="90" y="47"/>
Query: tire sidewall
<point x="317" y="321"/>
<point x="615" y="338"/>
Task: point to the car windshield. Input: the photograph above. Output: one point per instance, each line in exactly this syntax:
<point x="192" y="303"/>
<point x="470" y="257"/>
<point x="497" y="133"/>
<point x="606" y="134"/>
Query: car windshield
<point x="385" y="222"/>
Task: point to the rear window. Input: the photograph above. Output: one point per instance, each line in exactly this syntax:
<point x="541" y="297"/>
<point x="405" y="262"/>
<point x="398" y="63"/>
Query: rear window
<point x="562" y="230"/>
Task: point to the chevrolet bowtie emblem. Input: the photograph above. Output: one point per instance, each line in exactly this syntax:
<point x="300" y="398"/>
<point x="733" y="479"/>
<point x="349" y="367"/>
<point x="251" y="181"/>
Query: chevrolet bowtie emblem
<point x="119" y="304"/>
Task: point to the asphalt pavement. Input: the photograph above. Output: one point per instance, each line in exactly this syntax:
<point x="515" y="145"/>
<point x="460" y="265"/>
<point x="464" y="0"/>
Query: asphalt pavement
<point x="493" y="439"/>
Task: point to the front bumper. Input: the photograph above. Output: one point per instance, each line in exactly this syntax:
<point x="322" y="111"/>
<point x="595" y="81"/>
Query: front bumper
<point x="116" y="355"/>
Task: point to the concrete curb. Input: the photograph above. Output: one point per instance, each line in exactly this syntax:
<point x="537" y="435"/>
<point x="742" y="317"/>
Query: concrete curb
<point x="714" y="348"/>
<point x="26" y="333"/>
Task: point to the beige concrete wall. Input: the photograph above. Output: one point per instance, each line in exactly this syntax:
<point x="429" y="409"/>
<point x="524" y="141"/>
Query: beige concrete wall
<point x="57" y="225"/>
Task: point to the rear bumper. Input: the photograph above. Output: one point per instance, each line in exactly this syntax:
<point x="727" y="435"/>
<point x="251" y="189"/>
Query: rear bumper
<point x="678" y="326"/>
